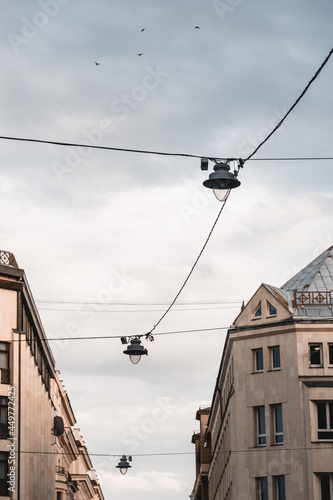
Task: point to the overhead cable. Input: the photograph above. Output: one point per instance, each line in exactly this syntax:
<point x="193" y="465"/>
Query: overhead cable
<point x="103" y="337"/>
<point x="148" y="335"/>
<point x="161" y="153"/>
<point x="292" y="107"/>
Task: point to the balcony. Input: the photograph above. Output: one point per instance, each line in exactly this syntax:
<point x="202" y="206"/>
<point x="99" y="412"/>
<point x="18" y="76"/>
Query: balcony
<point x="61" y="474"/>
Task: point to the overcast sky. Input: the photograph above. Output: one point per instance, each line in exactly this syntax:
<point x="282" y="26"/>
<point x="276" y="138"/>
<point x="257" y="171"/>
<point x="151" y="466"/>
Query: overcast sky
<point x="125" y="228"/>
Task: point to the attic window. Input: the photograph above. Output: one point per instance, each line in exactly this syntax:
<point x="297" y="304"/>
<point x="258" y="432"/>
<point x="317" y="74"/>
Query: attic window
<point x="271" y="309"/>
<point x="257" y="314"/>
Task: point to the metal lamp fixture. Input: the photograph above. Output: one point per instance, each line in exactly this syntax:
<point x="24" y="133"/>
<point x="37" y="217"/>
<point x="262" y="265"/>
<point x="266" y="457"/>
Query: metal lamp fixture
<point x="123" y="464"/>
<point x="221" y="180"/>
<point x="135" y="350"/>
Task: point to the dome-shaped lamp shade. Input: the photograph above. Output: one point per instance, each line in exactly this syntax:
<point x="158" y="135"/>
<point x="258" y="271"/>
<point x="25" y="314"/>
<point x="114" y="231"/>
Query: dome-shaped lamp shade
<point x="221" y="181"/>
<point x="135" y="350"/>
<point x="123" y="465"/>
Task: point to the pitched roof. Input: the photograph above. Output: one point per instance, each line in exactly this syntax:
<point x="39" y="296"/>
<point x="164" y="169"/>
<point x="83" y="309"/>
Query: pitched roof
<point x="316" y="276"/>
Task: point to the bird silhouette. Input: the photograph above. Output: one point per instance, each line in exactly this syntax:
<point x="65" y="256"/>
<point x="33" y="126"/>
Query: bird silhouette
<point x="97" y="63"/>
<point x="141" y="54"/>
<point x="197" y="27"/>
<point x="143" y="29"/>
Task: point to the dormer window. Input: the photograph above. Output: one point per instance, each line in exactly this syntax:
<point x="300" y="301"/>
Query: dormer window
<point x="271" y="309"/>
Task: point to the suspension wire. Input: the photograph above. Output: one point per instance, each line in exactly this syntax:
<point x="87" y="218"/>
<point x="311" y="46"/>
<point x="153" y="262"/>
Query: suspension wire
<point x="165" y="454"/>
<point x="148" y="335"/>
<point x="106" y="337"/>
<point x="148" y="152"/>
<point x="292" y="107"/>
<point x="95" y="146"/>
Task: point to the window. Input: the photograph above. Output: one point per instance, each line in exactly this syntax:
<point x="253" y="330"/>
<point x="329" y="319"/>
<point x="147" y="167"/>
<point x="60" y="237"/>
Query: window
<point x="279" y="488"/>
<point x="261" y="426"/>
<point x="59" y="495"/>
<point x="4" y="363"/>
<point x="257" y="314"/>
<point x="271" y="310"/>
<point x="326" y="486"/>
<point x="275" y="357"/>
<point x="278" y="424"/>
<point x="325" y="420"/>
<point x="262" y="489"/>
<point x="315" y="355"/>
<point x="3" y="417"/>
<point x="4" y="474"/>
<point x="330" y="354"/>
<point x="4" y="356"/>
<point x="258" y="360"/>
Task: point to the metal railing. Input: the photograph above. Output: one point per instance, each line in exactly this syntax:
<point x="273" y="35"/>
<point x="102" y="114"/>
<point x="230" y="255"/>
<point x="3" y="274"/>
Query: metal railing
<point x="313" y="298"/>
<point x="8" y="259"/>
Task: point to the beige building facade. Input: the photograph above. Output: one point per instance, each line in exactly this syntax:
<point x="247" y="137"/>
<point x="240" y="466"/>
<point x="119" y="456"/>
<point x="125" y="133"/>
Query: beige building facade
<point x="270" y="428"/>
<point x="42" y="456"/>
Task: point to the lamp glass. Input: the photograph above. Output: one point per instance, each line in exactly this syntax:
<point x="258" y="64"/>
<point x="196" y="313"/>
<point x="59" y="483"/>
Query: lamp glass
<point x="221" y="194"/>
<point x="135" y="358"/>
<point x="123" y="470"/>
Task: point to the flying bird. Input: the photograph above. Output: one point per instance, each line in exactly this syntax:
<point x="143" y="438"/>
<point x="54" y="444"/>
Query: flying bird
<point x="143" y="29"/>
<point x="197" y="27"/>
<point x="141" y="54"/>
<point x="97" y="63"/>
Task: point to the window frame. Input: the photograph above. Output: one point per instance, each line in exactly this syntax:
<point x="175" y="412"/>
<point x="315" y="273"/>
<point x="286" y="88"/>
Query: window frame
<point x="270" y="314"/>
<point x="257" y="312"/>
<point x="328" y="429"/>
<point x="319" y="347"/>
<point x="260" y="426"/>
<point x="4" y="349"/>
<point x="277" y="421"/>
<point x="329" y="484"/>
<point x="279" y="487"/>
<point x="330" y="354"/>
<point x="272" y="350"/>
<point x="4" y="480"/>
<point x="262" y="488"/>
<point x="256" y="360"/>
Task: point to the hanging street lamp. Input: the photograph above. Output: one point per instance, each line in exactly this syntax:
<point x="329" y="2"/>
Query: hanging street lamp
<point x="123" y="464"/>
<point x="221" y="181"/>
<point x="135" y="350"/>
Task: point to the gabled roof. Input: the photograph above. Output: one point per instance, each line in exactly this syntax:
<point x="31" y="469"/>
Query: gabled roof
<point x="307" y="294"/>
<point x="315" y="277"/>
<point x="265" y="295"/>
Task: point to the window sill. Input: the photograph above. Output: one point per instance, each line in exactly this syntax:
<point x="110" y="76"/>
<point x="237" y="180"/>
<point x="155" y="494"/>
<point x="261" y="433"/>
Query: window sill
<point x="276" y="369"/>
<point x="255" y="373"/>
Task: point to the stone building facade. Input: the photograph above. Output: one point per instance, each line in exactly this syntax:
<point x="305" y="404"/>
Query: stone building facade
<point x="270" y="427"/>
<point x="41" y="455"/>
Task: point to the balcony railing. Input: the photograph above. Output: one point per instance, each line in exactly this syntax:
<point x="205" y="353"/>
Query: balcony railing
<point x="60" y="470"/>
<point x="8" y="259"/>
<point x="313" y="298"/>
